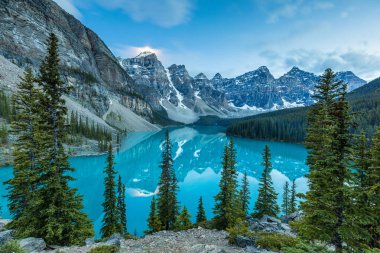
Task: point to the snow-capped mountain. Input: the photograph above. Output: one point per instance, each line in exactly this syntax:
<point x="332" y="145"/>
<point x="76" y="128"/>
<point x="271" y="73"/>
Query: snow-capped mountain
<point x="173" y="89"/>
<point x="185" y="98"/>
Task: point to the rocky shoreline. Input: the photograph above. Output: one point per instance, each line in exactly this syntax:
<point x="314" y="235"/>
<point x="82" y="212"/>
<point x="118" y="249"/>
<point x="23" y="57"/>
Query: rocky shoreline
<point x="196" y="240"/>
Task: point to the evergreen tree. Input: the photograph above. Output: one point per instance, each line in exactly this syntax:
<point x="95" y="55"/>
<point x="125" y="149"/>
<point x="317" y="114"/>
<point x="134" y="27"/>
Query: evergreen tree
<point x="245" y="195"/>
<point x="374" y="189"/>
<point x="168" y="187"/>
<point x="25" y="147"/>
<point x="121" y="207"/>
<point x="54" y="210"/>
<point x="293" y="198"/>
<point x="329" y="153"/>
<point x="110" y="218"/>
<point x="286" y="199"/>
<point x="201" y="214"/>
<point x="183" y="222"/>
<point x="3" y="134"/>
<point x="154" y="223"/>
<point x="227" y="207"/>
<point x="266" y="203"/>
<point x="360" y="216"/>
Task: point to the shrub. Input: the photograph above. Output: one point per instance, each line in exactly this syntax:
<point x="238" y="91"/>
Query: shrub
<point x="104" y="249"/>
<point x="302" y="247"/>
<point x="240" y="228"/>
<point x="11" y="247"/>
<point x="275" y="242"/>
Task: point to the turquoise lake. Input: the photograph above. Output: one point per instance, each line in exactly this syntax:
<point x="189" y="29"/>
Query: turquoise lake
<point x="197" y="156"/>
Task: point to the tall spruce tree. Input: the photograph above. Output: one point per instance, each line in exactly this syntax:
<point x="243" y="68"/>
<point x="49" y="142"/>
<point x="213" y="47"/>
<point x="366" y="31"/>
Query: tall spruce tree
<point x="360" y="213"/>
<point x="266" y="203"/>
<point x="121" y="207"/>
<point x="286" y="199"/>
<point x="183" y="222"/>
<point x="293" y="198"/>
<point x="201" y="214"/>
<point x="25" y="147"/>
<point x="110" y="218"/>
<point x="328" y="141"/>
<point x="168" y="187"/>
<point x="227" y="207"/>
<point x="154" y="224"/>
<point x="245" y="195"/>
<point x="54" y="211"/>
<point x="374" y="189"/>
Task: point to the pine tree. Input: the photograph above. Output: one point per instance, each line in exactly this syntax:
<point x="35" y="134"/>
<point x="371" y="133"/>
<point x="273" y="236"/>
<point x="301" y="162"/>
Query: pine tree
<point x="121" y="207"/>
<point x="266" y="203"/>
<point x="286" y="199"/>
<point x="374" y="189"/>
<point x="201" y="214"/>
<point x="168" y="187"/>
<point x="183" y="222"/>
<point x="360" y="216"/>
<point x="153" y="220"/>
<point x="329" y="153"/>
<point x="110" y="218"/>
<point x="227" y="207"/>
<point x="25" y="147"/>
<point x="54" y="211"/>
<point x="245" y="195"/>
<point x="293" y="198"/>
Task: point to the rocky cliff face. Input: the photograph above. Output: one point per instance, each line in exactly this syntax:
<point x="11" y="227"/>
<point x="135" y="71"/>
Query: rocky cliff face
<point x="185" y="98"/>
<point x="87" y="63"/>
<point x="173" y="90"/>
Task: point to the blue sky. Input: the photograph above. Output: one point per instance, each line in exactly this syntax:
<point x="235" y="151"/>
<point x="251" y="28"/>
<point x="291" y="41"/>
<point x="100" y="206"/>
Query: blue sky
<point x="236" y="36"/>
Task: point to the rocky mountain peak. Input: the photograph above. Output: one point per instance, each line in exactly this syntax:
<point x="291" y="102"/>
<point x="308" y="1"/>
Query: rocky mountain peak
<point x="146" y="54"/>
<point x="351" y="79"/>
<point x="201" y="76"/>
<point x="217" y="76"/>
<point x="263" y="69"/>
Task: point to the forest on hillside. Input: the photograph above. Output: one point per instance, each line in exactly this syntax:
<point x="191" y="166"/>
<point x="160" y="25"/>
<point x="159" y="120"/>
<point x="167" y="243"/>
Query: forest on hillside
<point x="290" y="124"/>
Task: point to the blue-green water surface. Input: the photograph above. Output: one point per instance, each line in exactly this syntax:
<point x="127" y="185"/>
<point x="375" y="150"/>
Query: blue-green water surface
<point x="197" y="156"/>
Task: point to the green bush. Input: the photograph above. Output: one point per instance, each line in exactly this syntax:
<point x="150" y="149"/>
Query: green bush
<point x="275" y="242"/>
<point x="303" y="247"/>
<point x="104" y="249"/>
<point x="372" y="251"/>
<point x="240" y="228"/>
<point x="11" y="247"/>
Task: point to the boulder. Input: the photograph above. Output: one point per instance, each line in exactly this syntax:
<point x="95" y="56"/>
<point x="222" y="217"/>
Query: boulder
<point x="291" y="217"/>
<point x="269" y="224"/>
<point x="89" y="241"/>
<point x="32" y="245"/>
<point x="245" y="241"/>
<point x="114" y="240"/>
<point x="3" y="222"/>
<point x="6" y="236"/>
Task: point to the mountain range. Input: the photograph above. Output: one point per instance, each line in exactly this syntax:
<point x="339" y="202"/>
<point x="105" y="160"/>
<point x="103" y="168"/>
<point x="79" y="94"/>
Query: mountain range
<point x="137" y="93"/>
<point x="185" y="98"/>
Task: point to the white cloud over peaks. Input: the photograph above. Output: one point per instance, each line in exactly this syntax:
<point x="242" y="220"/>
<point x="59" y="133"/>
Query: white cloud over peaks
<point x="293" y="8"/>
<point x="132" y="51"/>
<point x="68" y="6"/>
<point x="166" y="13"/>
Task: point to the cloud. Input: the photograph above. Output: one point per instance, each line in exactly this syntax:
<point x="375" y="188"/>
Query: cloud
<point x="366" y="65"/>
<point x="293" y="8"/>
<point x="166" y="13"/>
<point x="127" y="51"/>
<point x="68" y="6"/>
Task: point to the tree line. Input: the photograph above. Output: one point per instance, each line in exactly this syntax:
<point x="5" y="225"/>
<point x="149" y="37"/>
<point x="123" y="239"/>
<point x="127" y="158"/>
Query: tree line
<point x="291" y="124"/>
<point x="232" y="203"/>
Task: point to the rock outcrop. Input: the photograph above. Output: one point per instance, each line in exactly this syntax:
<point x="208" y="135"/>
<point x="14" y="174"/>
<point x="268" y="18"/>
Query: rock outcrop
<point x="87" y="64"/>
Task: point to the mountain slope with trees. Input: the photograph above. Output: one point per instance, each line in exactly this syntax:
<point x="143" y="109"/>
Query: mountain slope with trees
<point x="290" y="124"/>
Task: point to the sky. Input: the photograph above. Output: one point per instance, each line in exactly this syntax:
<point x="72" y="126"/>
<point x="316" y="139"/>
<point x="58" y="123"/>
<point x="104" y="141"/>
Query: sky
<point x="236" y="36"/>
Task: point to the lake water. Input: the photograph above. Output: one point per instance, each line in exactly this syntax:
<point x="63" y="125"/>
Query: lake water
<point x="197" y="156"/>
